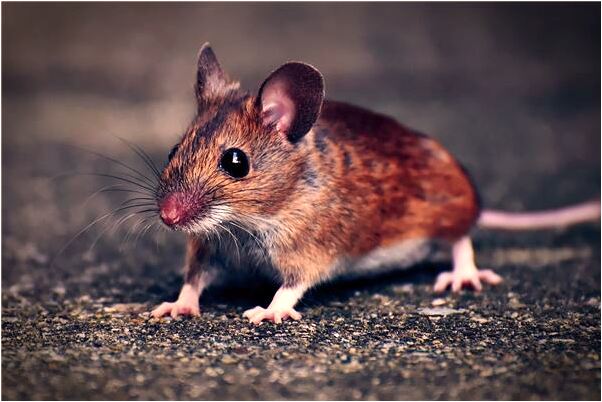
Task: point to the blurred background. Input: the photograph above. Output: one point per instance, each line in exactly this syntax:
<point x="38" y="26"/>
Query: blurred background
<point x="512" y="90"/>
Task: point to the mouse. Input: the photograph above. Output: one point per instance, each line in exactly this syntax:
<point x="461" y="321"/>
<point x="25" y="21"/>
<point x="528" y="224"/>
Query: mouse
<point x="311" y="189"/>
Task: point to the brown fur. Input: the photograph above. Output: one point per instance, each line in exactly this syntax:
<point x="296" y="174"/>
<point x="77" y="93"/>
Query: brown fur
<point x="355" y="182"/>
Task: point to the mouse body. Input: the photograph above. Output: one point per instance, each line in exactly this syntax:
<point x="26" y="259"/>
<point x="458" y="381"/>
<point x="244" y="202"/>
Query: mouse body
<point x="311" y="189"/>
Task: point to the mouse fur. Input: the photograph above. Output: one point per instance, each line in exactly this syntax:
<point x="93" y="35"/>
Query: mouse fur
<point x="330" y="187"/>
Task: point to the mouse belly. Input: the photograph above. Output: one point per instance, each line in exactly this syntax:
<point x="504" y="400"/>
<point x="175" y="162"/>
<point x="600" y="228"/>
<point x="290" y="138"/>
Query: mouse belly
<point x="402" y="254"/>
<point x="245" y="255"/>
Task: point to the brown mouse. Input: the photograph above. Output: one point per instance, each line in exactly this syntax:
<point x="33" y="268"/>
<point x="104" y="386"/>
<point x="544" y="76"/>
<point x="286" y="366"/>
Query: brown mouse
<point x="313" y="188"/>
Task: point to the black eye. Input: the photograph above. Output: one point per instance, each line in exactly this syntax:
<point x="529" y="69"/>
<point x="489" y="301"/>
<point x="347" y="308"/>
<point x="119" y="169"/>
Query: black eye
<point x="235" y="163"/>
<point x="172" y="153"/>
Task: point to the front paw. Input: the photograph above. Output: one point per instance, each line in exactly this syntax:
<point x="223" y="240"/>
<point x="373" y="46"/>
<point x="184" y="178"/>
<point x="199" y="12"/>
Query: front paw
<point x="258" y="314"/>
<point x="190" y="308"/>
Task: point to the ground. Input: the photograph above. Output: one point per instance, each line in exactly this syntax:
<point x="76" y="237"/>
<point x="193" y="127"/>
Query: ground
<point x="518" y="103"/>
<point x="537" y="336"/>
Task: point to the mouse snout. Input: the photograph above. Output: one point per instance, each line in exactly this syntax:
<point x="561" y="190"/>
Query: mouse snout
<point x="173" y="209"/>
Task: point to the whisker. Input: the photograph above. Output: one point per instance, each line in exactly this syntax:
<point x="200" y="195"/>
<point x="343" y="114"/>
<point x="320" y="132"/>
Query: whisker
<point x="143" y="232"/>
<point x="259" y="243"/>
<point x="142" y="199"/>
<point x="116" y="225"/>
<point x="237" y="244"/>
<point x="143" y="155"/>
<point x="126" y="190"/>
<point x="82" y="231"/>
<point x="132" y="230"/>
<point x="152" y="190"/>
<point x="118" y="162"/>
<point x="94" y="194"/>
<point x="142" y="221"/>
<point x="112" y="228"/>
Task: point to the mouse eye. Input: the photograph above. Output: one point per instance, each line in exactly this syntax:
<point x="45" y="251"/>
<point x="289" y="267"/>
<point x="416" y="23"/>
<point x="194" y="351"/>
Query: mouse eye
<point x="172" y="153"/>
<point x="235" y="163"/>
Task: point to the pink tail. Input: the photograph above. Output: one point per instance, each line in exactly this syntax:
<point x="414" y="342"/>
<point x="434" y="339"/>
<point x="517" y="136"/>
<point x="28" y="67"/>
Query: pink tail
<point x="588" y="211"/>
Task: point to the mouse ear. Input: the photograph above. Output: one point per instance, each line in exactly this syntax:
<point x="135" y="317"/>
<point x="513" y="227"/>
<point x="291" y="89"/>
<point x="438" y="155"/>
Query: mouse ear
<point x="211" y="81"/>
<point x="290" y="99"/>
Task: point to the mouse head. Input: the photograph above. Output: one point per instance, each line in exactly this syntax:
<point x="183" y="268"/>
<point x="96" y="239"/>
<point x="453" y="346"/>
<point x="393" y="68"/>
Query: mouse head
<point x="240" y="160"/>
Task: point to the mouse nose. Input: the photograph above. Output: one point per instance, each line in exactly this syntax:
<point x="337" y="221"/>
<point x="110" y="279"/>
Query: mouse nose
<point x="172" y="209"/>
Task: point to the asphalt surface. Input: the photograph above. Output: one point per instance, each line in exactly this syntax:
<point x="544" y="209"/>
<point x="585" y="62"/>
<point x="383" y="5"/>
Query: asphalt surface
<point x="537" y="336"/>
<point x="516" y="101"/>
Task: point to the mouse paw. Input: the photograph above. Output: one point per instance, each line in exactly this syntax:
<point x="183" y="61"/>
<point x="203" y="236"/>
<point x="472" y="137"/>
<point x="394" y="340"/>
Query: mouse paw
<point x="175" y="309"/>
<point x="466" y="275"/>
<point x="258" y="314"/>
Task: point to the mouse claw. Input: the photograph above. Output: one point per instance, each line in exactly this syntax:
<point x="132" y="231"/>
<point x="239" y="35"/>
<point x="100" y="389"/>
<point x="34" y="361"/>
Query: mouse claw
<point x="176" y="309"/>
<point x="490" y="277"/>
<point x="258" y="314"/>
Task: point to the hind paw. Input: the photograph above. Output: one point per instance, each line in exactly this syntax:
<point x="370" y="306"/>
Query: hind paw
<point x="466" y="276"/>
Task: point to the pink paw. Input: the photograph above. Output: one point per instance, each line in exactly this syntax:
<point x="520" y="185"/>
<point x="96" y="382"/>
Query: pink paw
<point x="468" y="276"/>
<point x="258" y="314"/>
<point x="177" y="308"/>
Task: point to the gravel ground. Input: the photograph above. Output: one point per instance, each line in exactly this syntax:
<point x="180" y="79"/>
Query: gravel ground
<point x="516" y="101"/>
<point x="535" y="337"/>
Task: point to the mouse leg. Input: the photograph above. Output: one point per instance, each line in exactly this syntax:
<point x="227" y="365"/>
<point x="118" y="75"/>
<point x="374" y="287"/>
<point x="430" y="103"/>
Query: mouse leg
<point x="281" y="307"/>
<point x="300" y="269"/>
<point x="196" y="278"/>
<point x="465" y="272"/>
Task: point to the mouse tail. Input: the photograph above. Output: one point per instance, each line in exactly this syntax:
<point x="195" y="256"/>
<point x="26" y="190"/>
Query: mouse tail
<point x="556" y="218"/>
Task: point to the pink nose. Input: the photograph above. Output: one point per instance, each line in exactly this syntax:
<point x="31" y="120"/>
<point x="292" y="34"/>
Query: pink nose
<point x="173" y="210"/>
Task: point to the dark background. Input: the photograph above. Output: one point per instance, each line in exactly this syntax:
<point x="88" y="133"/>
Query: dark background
<point x="513" y="90"/>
